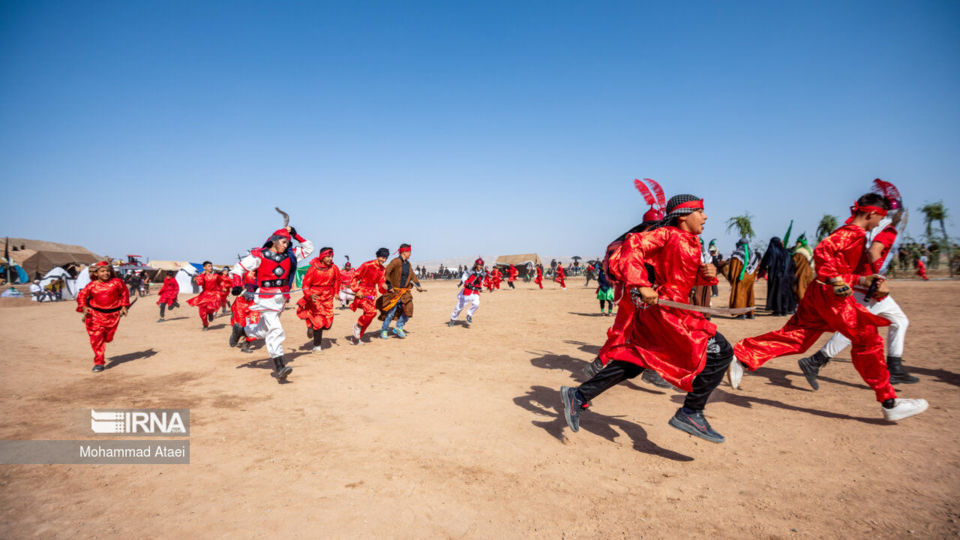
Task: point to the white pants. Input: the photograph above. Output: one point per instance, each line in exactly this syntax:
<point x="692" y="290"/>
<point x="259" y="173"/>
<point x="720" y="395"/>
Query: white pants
<point x="472" y="299"/>
<point x="346" y="297"/>
<point x="886" y="308"/>
<point x="270" y="330"/>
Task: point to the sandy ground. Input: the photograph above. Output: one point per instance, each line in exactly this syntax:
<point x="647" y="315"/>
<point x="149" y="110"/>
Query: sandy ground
<point x="455" y="432"/>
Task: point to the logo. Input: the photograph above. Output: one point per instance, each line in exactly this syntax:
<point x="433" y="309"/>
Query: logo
<point x="172" y="422"/>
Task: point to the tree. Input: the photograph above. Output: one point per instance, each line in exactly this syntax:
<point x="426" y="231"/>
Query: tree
<point x="742" y="224"/>
<point x="934" y="212"/>
<point x="827" y="225"/>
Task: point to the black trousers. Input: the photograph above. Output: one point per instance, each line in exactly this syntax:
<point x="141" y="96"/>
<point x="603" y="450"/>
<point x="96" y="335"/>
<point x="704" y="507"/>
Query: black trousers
<point x="610" y="302"/>
<point x="719" y="356"/>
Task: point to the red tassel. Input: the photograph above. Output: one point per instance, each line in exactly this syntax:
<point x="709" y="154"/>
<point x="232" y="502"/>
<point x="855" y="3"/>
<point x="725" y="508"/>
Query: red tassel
<point x="886" y="189"/>
<point x="661" y="199"/>
<point x="645" y="191"/>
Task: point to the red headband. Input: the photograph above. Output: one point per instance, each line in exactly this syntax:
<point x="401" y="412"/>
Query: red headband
<point x="326" y="252"/>
<point x="697" y="205"/>
<point x="403" y="249"/>
<point x="856" y="208"/>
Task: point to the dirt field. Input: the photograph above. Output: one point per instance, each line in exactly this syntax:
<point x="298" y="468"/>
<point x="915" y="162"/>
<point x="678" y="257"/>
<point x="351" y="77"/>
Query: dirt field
<point x="455" y="432"/>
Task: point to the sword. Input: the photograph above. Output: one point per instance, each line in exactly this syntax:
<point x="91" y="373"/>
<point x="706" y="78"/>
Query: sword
<point x="704" y="309"/>
<point x="286" y="216"/>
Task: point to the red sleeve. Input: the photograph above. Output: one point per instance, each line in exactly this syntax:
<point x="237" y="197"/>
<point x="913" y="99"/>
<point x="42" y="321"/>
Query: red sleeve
<point x="355" y="281"/>
<point x="82" y="297"/>
<point x="886" y="237"/>
<point x="337" y="278"/>
<point x="627" y="262"/>
<point x="307" y="283"/>
<point x="382" y="284"/>
<point x="828" y="256"/>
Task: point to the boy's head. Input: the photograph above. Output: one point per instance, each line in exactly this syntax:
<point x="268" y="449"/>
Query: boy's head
<point x="685" y="212"/>
<point x="870" y="209"/>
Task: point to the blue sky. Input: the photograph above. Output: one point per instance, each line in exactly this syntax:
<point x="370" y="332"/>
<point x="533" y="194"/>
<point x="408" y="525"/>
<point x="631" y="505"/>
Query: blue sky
<point x="171" y="129"/>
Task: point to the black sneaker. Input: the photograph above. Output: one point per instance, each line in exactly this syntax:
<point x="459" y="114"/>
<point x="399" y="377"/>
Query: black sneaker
<point x="235" y="335"/>
<point x="593" y="368"/>
<point x="451" y="323"/>
<point x="695" y="424"/>
<point x="281" y="371"/>
<point x="210" y="317"/>
<point x="654" y="378"/>
<point x="810" y="369"/>
<point x="572" y="405"/>
<point x="245" y="347"/>
<point x="97" y="368"/>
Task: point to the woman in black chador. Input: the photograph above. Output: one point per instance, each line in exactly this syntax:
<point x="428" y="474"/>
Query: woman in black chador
<point x="780" y="270"/>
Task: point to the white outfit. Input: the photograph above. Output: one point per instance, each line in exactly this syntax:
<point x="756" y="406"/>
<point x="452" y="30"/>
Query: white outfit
<point x="346" y="296"/>
<point x="269" y="305"/>
<point x="463" y="299"/>
<point x="886" y="308"/>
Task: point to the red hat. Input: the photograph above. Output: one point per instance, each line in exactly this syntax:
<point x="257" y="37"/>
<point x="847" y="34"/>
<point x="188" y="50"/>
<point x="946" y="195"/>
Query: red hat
<point x="657" y="204"/>
<point x="478" y="261"/>
<point x="653" y="214"/>
<point x="282" y="232"/>
<point x="102" y="263"/>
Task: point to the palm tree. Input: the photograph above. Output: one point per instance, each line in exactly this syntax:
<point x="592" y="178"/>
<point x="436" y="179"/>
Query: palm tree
<point x="827" y="225"/>
<point x="742" y="224"/>
<point x="934" y="212"/>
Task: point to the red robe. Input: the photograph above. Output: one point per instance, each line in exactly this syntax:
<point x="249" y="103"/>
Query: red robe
<point x="169" y="291"/>
<point x="561" y="276"/>
<point x="323" y="281"/>
<point x="670" y="341"/>
<point x="208" y="301"/>
<point x="496" y="277"/>
<point x="102" y="296"/>
<point x="240" y="312"/>
<point x="346" y="276"/>
<point x="539" y="279"/>
<point x="922" y="270"/>
<point x="839" y="255"/>
<point x="513" y="274"/>
<point x="226" y="283"/>
<point x="366" y="283"/>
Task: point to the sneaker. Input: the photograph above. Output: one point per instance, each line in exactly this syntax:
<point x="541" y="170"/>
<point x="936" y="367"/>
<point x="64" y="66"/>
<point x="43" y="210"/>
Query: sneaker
<point x="384" y="334"/>
<point x="245" y="347"/>
<point x="810" y="369"/>
<point x="318" y="348"/>
<point x="97" y="368"/>
<point x="235" y="335"/>
<point x="399" y="333"/>
<point x="735" y="373"/>
<point x="572" y="406"/>
<point x="593" y="368"/>
<point x="451" y="323"/>
<point x="160" y="319"/>
<point x="654" y="378"/>
<point x="356" y="332"/>
<point x="695" y="424"/>
<point x="903" y="408"/>
<point x="469" y="320"/>
<point x="205" y="328"/>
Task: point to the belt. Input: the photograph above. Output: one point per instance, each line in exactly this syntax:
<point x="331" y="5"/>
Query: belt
<point x="101" y="310"/>
<point x="273" y="283"/>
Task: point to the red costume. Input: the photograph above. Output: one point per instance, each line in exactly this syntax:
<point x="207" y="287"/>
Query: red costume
<point x="367" y="282"/>
<point x="672" y="342"/>
<point x="240" y="312"/>
<point x="169" y="291"/>
<point x="497" y="277"/>
<point x="840" y="255"/>
<point x="105" y="299"/>
<point x="226" y="283"/>
<point x="513" y="274"/>
<point x="346" y="277"/>
<point x="208" y="301"/>
<point x="561" y="276"/>
<point x="539" y="279"/>
<point x="323" y="281"/>
<point x="922" y="270"/>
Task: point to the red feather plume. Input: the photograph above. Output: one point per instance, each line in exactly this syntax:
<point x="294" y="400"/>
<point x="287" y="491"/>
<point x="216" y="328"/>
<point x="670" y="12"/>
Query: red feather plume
<point x="661" y="199"/>
<point x="645" y="191"/>
<point x="888" y="190"/>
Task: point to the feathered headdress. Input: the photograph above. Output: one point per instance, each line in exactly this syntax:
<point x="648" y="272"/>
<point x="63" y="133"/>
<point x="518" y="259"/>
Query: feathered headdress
<point x="889" y="192"/>
<point x="658" y="205"/>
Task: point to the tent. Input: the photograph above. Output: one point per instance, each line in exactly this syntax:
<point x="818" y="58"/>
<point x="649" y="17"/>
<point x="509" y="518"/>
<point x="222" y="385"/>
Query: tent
<point x="70" y="290"/>
<point x="17" y="274"/>
<point x="518" y="260"/>
<point x="185" y="279"/>
<point x="40" y="256"/>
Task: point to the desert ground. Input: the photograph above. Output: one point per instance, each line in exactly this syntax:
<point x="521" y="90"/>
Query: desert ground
<point x="456" y="432"/>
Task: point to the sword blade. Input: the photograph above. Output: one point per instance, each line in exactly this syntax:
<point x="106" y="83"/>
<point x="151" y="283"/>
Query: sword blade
<point x="704" y="309"/>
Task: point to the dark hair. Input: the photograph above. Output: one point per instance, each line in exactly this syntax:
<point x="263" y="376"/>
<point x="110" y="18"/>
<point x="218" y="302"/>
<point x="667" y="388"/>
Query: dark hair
<point x="206" y="263"/>
<point x="171" y="273"/>
<point x="324" y="248"/>
<point x="383" y="252"/>
<point x="404" y="246"/>
<point x="873" y="199"/>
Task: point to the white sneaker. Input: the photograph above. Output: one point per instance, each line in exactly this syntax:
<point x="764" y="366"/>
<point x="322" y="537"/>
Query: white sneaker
<point x="317" y="348"/>
<point x="903" y="408"/>
<point x="356" y="332"/>
<point x="735" y="373"/>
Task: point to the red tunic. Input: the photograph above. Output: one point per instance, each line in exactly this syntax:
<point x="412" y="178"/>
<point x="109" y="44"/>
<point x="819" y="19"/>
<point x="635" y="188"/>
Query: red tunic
<point x="561" y="276"/>
<point x="513" y="274"/>
<point x="922" y="269"/>
<point x="104" y="298"/>
<point x="169" y="291"/>
<point x="839" y="255"/>
<point x="226" y="283"/>
<point x="670" y="341"/>
<point x="323" y="281"/>
<point x="539" y="279"/>
<point x="366" y="283"/>
<point x="346" y="276"/>
<point x="496" y="277"/>
<point x="208" y="301"/>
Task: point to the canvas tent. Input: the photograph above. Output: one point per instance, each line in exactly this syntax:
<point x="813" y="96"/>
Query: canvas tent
<point x="42" y="256"/>
<point x="518" y="260"/>
<point x="70" y="290"/>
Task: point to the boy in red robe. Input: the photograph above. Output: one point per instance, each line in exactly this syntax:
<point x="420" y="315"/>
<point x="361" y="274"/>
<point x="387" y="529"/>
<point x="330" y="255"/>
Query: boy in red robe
<point x="226" y="284"/>
<point x="561" y="277"/>
<point x="103" y="301"/>
<point x="240" y="313"/>
<point x="539" y="279"/>
<point x="922" y="269"/>
<point x="497" y="277"/>
<point x="346" y="293"/>
<point x="367" y="282"/>
<point x="208" y="301"/>
<point x="828" y="306"/>
<point x="683" y="346"/>
<point x="513" y="276"/>
<point x="168" y="293"/>
<point x="320" y="285"/>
